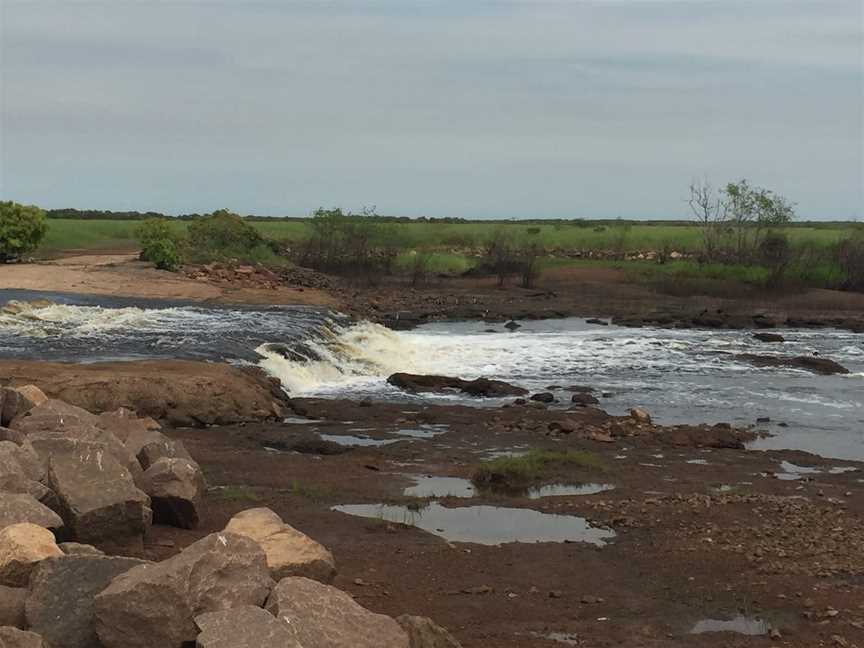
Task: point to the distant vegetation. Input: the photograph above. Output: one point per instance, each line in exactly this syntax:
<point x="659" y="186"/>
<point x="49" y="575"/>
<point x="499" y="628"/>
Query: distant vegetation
<point x="741" y="234"/>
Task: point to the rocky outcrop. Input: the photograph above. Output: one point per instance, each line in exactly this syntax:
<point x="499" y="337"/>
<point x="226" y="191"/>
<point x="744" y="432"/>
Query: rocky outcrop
<point x="22" y="546"/>
<point x="481" y="387"/>
<point x="16" y="508"/>
<point x="181" y="392"/>
<point x="12" y="606"/>
<point x="243" y="627"/>
<point x="154" y="606"/>
<point x="425" y="633"/>
<point x="61" y="596"/>
<point x="17" y="401"/>
<point x="321" y="616"/>
<point x="99" y="501"/>
<point x="175" y="488"/>
<point x="289" y="552"/>
<point x="15" y="638"/>
<point x="769" y="337"/>
<point x="813" y="364"/>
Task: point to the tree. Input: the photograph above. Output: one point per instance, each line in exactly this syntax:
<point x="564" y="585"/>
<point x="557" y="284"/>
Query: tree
<point x="223" y="234"/>
<point x="711" y="212"/>
<point x="752" y="213"/>
<point x="22" y="228"/>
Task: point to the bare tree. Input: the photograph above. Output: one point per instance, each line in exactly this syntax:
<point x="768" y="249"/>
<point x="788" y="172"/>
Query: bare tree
<point x="712" y="213"/>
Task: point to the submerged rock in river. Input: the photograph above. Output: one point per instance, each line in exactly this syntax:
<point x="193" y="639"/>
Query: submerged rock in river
<point x="482" y="387"/>
<point x="822" y="366"/>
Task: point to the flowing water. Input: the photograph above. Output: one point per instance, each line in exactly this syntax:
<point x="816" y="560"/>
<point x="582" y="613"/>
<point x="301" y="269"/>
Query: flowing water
<point x="680" y="376"/>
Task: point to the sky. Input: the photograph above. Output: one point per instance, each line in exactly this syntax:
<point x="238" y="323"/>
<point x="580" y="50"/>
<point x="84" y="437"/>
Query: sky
<point x="457" y="108"/>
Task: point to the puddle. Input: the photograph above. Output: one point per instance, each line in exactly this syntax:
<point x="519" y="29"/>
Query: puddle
<point x="423" y="431"/>
<point x="351" y="440"/>
<point x="839" y="470"/>
<point x="700" y="462"/>
<point x="432" y="486"/>
<point x="557" y="490"/>
<point x="739" y="625"/>
<point x="488" y="525"/>
<point x="296" y="420"/>
<point x="792" y="472"/>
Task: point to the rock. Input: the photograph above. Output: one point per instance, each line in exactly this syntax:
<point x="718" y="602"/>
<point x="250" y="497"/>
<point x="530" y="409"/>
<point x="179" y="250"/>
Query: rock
<point x="61" y="594"/>
<point x="289" y="552"/>
<point x="14" y="436"/>
<point x="22" y="546"/>
<point x="124" y="422"/>
<point x="154" y="605"/>
<point x="99" y="502"/>
<point x="19" y="400"/>
<point x="163" y="448"/>
<point x="321" y="616"/>
<point x="769" y="337"/>
<point x="21" y="485"/>
<point x="16" y="508"/>
<point x="582" y="399"/>
<point x="416" y="383"/>
<point x="425" y="633"/>
<point x="243" y="627"/>
<point x="599" y="322"/>
<point x="512" y="326"/>
<point x="78" y="549"/>
<point x="12" y="606"/>
<point x="175" y="487"/>
<point x="15" y="638"/>
<point x="543" y="397"/>
<point x="640" y="415"/>
<point x="822" y="366"/>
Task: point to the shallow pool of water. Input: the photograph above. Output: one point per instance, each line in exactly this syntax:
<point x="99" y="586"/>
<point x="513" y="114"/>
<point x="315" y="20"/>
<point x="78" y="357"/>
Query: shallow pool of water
<point x="434" y="486"/>
<point x="558" y="490"/>
<point x="488" y="525"/>
<point x="739" y="625"/>
<point x="353" y="441"/>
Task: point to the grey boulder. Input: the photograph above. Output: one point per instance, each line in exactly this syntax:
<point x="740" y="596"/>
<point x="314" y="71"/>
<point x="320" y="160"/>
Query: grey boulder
<point x="175" y="487"/>
<point x="243" y="627"/>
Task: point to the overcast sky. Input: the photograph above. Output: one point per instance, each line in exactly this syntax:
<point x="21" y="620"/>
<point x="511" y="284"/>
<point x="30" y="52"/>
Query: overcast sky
<point x="450" y="108"/>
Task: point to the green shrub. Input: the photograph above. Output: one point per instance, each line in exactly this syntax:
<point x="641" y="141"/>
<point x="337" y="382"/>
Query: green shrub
<point x="159" y="244"/>
<point x="22" y="228"/>
<point x="223" y="234"/>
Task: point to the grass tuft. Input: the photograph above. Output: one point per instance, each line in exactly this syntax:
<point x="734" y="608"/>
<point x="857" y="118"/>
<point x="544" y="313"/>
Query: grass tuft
<point x="532" y="467"/>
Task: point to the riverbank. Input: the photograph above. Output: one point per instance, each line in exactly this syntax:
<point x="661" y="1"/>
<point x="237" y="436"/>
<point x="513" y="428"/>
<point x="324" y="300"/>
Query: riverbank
<point x="699" y="532"/>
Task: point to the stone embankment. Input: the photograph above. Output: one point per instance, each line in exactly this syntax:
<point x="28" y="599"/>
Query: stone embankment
<point x="78" y="495"/>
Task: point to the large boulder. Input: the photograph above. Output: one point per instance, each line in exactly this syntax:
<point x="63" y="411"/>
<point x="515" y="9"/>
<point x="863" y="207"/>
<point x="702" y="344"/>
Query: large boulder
<point x="482" y="387"/>
<point x="123" y="423"/>
<point x="17" y="401"/>
<point x="99" y="501"/>
<point x="22" y="546"/>
<point x="20" y="459"/>
<point x="175" y="487"/>
<point x="813" y="364"/>
<point x="321" y="616"/>
<point x="20" y="484"/>
<point x="61" y="595"/>
<point x="161" y="448"/>
<point x="243" y="627"/>
<point x="48" y="426"/>
<point x="289" y="552"/>
<point x="21" y="507"/>
<point x="12" y="606"/>
<point x="15" y="638"/>
<point x="154" y="606"/>
<point x="425" y="633"/>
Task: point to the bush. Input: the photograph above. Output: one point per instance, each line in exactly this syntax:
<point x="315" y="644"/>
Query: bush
<point x="159" y="243"/>
<point x="22" y="228"/>
<point x="775" y="254"/>
<point x="850" y="253"/>
<point x="224" y="234"/>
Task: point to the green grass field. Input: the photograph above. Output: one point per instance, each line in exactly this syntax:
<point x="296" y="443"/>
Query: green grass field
<point x="64" y="234"/>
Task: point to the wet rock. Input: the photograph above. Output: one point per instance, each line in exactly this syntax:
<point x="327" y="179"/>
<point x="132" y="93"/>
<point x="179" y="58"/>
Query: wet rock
<point x="22" y="546"/>
<point x="822" y="366"/>
<point x="12" y="606"/>
<point x="16" y="508"/>
<point x="483" y="387"/>
<point x="425" y="633"/>
<point x="321" y="616"/>
<point x="154" y="605"/>
<point x="582" y="389"/>
<point x="15" y="638"/>
<point x="289" y="552"/>
<point x="599" y="322"/>
<point x="243" y="627"/>
<point x="61" y="595"/>
<point x="769" y="337"/>
<point x="543" y="397"/>
<point x="99" y="501"/>
<point x="583" y="400"/>
<point x="16" y="401"/>
<point x="512" y="326"/>
<point x="78" y="549"/>
<point x="175" y="487"/>
<point x="640" y="415"/>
